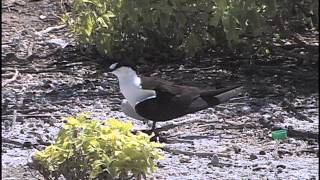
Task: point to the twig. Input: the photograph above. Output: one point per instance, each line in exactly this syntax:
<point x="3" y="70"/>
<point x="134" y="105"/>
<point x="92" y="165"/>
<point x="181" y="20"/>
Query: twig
<point x="40" y="33"/>
<point x="176" y="140"/>
<point x="14" y="77"/>
<point x="50" y="53"/>
<point x="230" y="125"/>
<point x="181" y="123"/>
<point x="291" y="131"/>
<point x="289" y="107"/>
<point x="36" y="70"/>
<point x="14" y="118"/>
<point x="30" y="115"/>
<point x="303" y="134"/>
<point x="9" y="141"/>
<point x="48" y="70"/>
<point x="199" y="154"/>
<point x="310" y="150"/>
<point x="306" y="107"/>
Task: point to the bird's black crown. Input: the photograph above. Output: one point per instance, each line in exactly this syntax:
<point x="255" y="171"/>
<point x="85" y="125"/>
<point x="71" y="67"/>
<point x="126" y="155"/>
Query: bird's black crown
<point x="117" y="65"/>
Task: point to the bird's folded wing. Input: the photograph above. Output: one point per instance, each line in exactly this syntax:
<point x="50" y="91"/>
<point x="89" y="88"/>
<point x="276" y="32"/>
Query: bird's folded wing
<point x="169" y="92"/>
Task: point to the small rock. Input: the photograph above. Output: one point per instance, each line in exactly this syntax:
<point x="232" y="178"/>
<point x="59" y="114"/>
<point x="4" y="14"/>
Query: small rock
<point x="98" y="105"/>
<point x="160" y="165"/>
<point x="30" y="125"/>
<point x="59" y="42"/>
<point x="259" y="168"/>
<point x="266" y="116"/>
<point x="262" y="153"/>
<point x="226" y="111"/>
<point x="42" y="17"/>
<point x="39" y="125"/>
<point x="246" y="109"/>
<point x="237" y="150"/>
<point x="27" y="144"/>
<point x="281" y="166"/>
<point x="20" y="119"/>
<point x="184" y="159"/>
<point x="253" y="157"/>
<point x="46" y="130"/>
<point x="215" y="160"/>
<point x="20" y="3"/>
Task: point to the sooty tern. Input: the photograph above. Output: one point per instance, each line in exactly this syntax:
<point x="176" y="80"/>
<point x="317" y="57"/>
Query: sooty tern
<point x="149" y="98"/>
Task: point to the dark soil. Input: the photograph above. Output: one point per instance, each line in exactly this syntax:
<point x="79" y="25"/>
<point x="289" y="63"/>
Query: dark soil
<point x="43" y="82"/>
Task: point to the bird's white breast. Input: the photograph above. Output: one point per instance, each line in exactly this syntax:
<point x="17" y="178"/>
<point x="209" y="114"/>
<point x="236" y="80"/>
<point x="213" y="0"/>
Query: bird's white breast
<point x="131" y="89"/>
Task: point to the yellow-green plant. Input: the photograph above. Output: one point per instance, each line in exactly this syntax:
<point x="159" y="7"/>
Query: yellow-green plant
<point x="92" y="149"/>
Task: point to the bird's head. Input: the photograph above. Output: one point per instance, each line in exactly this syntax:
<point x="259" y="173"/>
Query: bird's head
<point x="121" y="69"/>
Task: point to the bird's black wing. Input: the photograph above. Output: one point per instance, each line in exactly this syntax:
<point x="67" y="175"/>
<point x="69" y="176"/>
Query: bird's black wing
<point x="168" y="91"/>
<point x="171" y="100"/>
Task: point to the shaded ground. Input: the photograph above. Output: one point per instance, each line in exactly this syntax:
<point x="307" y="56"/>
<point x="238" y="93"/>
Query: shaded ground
<point x="229" y="141"/>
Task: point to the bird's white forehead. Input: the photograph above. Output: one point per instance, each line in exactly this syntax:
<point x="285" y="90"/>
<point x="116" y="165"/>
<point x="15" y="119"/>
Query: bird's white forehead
<point x="112" y="66"/>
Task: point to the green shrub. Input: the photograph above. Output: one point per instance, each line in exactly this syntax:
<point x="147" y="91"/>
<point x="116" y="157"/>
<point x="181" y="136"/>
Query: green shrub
<point x="93" y="149"/>
<point x="139" y="27"/>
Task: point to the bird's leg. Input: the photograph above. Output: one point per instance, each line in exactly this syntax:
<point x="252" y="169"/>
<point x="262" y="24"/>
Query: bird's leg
<point x="153" y="126"/>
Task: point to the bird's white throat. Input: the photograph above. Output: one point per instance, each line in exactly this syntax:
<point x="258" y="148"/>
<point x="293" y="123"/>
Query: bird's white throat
<point x="130" y="86"/>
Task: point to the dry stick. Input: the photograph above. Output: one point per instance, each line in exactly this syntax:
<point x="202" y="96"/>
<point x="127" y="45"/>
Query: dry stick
<point x="6" y="75"/>
<point x="291" y="132"/>
<point x="14" y="77"/>
<point x="50" y="53"/>
<point x="199" y="154"/>
<point x="48" y="70"/>
<point x="176" y="124"/>
<point x="291" y="54"/>
<point x="40" y="33"/>
<point x="174" y="141"/>
<point x="299" y="116"/>
<point x="14" y="118"/>
<point x="230" y="125"/>
<point x="10" y="141"/>
<point x="31" y="115"/>
<point x="306" y="107"/>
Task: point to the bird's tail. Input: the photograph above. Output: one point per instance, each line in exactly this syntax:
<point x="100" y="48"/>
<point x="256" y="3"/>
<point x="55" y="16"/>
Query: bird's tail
<point x="229" y="94"/>
<point x="218" y="96"/>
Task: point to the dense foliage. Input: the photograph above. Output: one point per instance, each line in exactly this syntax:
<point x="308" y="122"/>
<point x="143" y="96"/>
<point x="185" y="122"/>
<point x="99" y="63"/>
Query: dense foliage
<point x="152" y="28"/>
<point x="93" y="149"/>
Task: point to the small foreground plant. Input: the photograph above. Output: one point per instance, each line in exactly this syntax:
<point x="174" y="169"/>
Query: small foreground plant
<point x="92" y="149"/>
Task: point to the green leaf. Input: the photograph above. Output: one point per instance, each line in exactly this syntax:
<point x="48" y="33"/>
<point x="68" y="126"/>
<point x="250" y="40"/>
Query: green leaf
<point x="109" y="14"/>
<point x="230" y="24"/>
<point x="164" y="20"/>
<point x="181" y="19"/>
<point x="101" y="21"/>
<point x="89" y="25"/>
<point x="222" y="4"/>
<point x="193" y="44"/>
<point x="72" y="121"/>
<point x="215" y="18"/>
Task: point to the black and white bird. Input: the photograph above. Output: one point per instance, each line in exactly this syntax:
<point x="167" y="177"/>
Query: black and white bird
<point x="149" y="98"/>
